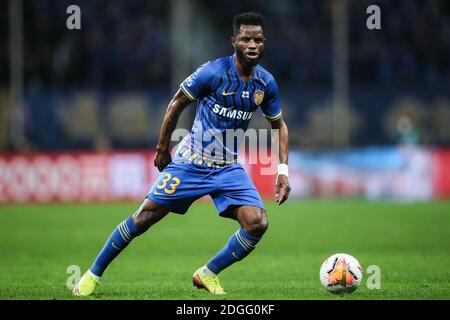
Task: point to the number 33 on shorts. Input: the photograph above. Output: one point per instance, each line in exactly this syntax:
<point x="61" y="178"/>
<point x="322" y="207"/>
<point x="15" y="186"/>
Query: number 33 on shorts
<point x="171" y="182"/>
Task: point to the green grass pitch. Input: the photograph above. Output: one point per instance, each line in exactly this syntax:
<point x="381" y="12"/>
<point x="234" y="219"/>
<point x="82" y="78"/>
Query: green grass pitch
<point x="409" y="242"/>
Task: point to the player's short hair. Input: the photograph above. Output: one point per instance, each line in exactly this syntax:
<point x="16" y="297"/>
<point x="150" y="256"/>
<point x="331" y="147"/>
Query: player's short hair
<point x="249" y="18"/>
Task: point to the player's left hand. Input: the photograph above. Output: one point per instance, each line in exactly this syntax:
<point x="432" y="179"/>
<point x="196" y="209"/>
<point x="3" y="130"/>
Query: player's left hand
<point x="283" y="189"/>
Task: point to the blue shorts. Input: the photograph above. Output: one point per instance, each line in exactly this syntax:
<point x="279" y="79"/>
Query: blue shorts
<point x="180" y="184"/>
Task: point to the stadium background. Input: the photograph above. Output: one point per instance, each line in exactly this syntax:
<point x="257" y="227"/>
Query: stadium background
<point x="379" y="107"/>
<point x="368" y="110"/>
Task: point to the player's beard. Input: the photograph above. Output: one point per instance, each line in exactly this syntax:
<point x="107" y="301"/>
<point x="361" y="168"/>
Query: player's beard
<point x="251" y="63"/>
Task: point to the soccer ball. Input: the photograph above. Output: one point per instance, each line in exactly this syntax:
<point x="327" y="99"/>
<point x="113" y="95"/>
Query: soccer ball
<point x="341" y="273"/>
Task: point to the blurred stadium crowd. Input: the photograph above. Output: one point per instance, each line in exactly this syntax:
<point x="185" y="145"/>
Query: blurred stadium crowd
<point x="125" y="44"/>
<point x="399" y="76"/>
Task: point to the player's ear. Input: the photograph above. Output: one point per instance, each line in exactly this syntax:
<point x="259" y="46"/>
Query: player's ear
<point x="233" y="41"/>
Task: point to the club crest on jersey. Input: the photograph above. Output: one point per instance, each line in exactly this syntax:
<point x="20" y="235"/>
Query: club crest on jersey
<point x="258" y="97"/>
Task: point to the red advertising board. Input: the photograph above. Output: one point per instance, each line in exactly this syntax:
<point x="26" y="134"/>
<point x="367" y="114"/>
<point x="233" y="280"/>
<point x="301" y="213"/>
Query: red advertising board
<point x="418" y="175"/>
<point x="87" y="176"/>
<point x="75" y="176"/>
<point x="441" y="173"/>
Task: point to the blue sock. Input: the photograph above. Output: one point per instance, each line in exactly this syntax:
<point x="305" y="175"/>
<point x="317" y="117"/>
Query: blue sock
<point x="117" y="241"/>
<point x="237" y="248"/>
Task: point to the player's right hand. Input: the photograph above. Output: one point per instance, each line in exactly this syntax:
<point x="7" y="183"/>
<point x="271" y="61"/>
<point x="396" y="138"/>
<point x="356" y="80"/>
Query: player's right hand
<point x="162" y="159"/>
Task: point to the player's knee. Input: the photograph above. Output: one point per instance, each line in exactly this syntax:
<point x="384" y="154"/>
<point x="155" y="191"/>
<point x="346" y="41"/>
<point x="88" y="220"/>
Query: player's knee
<point x="144" y="219"/>
<point x="263" y="223"/>
<point x="141" y="221"/>
<point x="258" y="223"/>
<point x="147" y="215"/>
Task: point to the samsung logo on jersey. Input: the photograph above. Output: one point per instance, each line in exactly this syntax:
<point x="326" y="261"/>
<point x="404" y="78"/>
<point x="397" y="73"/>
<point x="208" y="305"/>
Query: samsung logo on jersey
<point x="230" y="113"/>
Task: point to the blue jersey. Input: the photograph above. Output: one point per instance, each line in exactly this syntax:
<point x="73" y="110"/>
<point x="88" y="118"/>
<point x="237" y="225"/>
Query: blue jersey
<point x="224" y="101"/>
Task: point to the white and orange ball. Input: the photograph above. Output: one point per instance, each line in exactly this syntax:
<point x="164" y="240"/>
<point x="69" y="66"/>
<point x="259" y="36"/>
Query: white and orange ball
<point x="341" y="273"/>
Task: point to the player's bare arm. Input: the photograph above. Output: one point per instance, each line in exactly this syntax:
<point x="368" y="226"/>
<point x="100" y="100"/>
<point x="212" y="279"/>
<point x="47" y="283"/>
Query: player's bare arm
<point x="283" y="188"/>
<point x="176" y="106"/>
